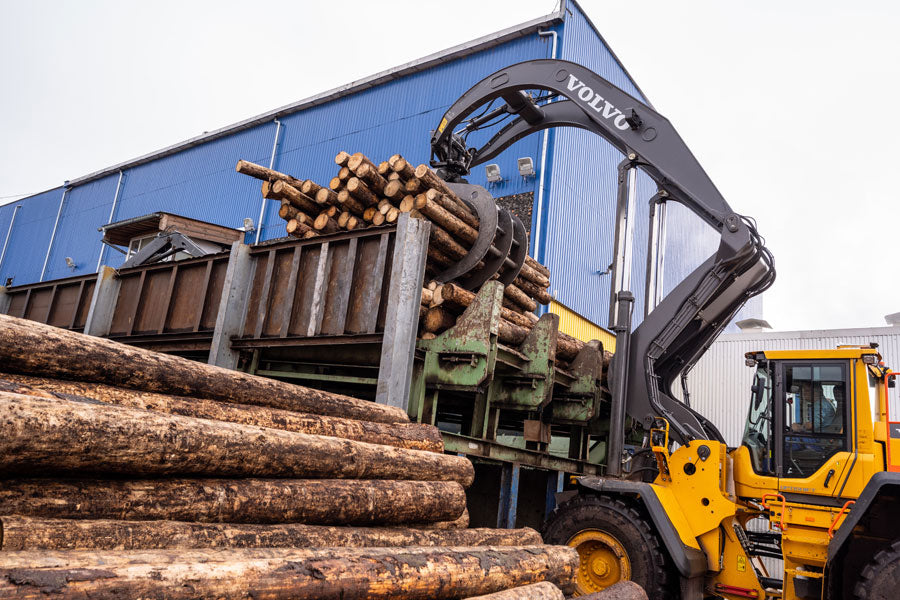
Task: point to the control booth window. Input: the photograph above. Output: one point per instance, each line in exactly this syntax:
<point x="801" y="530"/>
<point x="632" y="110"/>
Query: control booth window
<point x="814" y="416"/>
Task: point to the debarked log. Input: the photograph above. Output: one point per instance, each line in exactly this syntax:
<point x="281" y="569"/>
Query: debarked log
<point x="31" y="347"/>
<point x="66" y="435"/>
<point x="274" y="573"/>
<point x="29" y="533"/>
<point x="417" y="436"/>
<point x="261" y="501"/>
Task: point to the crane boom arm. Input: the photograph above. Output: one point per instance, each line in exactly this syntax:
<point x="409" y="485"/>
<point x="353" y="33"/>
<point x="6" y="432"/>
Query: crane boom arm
<point x="673" y="337"/>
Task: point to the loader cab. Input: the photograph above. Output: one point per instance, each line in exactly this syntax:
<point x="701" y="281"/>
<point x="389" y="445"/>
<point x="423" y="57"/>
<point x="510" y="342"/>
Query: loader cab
<point x="811" y="414"/>
<point x="799" y="416"/>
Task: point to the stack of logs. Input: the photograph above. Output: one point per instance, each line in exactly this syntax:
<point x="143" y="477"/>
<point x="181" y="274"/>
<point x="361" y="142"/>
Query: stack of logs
<point x="363" y="194"/>
<point x="128" y="473"/>
<point x="442" y="305"/>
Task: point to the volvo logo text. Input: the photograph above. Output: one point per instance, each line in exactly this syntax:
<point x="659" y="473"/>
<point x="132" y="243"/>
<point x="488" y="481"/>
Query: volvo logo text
<point x="596" y="102"/>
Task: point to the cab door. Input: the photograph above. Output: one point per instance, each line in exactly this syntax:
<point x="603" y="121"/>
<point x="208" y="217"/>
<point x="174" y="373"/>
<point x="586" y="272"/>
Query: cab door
<point x="892" y="416"/>
<point x="814" y="425"/>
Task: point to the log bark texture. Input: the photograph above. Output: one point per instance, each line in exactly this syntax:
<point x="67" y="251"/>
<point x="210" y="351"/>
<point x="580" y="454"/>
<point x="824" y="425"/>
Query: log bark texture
<point x="536" y="591"/>
<point x="326" y="196"/>
<point x="538" y="293"/>
<point x="461" y="522"/>
<point x="460" y="212"/>
<point x="401" y="167"/>
<point x="297" y="228"/>
<point x="28" y="533"/>
<point x="86" y="436"/>
<point x="395" y="190"/>
<point x="260" y="501"/>
<point x="623" y="590"/>
<point x="297" y="198"/>
<point x="338" y="574"/>
<point x="519" y="298"/>
<point x="438" y="319"/>
<point x="325" y="224"/>
<point x="361" y="192"/>
<point x="567" y="347"/>
<point x="31" y="347"/>
<point x="350" y="203"/>
<point x="287" y="212"/>
<point x="265" y="174"/>
<point x="415" y="436"/>
<point x="369" y="174"/>
<point x="461" y="297"/>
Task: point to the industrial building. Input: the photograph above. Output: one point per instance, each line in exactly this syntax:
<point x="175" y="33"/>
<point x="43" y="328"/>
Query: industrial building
<point x="571" y="199"/>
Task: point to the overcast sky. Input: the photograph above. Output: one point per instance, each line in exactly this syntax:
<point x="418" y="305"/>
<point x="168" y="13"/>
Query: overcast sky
<point x="790" y="106"/>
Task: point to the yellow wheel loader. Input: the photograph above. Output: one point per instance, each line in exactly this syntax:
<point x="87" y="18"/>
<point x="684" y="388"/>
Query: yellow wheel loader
<point x="815" y="482"/>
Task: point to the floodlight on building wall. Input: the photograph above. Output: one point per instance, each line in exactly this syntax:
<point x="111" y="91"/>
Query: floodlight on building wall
<point x="492" y="172"/>
<point x="526" y="166"/>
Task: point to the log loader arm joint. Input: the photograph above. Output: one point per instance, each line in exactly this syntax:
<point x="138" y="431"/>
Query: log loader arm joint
<point x="539" y="94"/>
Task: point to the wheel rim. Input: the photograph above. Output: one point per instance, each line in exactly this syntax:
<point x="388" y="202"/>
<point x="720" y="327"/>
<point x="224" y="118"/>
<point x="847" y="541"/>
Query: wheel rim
<point x="603" y="561"/>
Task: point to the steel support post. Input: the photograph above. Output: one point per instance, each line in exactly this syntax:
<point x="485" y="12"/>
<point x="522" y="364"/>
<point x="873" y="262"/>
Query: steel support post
<point x="509" y="496"/>
<point x="624" y="239"/>
<point x="404" y="297"/>
<point x="103" y="303"/>
<point x="555" y="481"/>
<point x="232" y="306"/>
<point x="4" y="301"/>
<point x="656" y="252"/>
<point x="619" y="386"/>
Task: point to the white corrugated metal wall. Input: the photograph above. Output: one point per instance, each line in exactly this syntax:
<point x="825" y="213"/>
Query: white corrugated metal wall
<point x="720" y="383"/>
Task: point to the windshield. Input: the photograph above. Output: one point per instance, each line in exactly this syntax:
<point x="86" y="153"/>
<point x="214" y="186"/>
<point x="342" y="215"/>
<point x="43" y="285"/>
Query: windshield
<point x="758" y="432"/>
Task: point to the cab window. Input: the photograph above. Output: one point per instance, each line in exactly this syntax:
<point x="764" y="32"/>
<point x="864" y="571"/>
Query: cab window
<point x="815" y="411"/>
<point x="759" y="426"/>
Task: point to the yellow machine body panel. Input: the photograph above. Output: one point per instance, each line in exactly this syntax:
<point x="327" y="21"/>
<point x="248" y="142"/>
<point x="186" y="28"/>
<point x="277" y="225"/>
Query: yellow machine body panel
<point x="819" y="429"/>
<point x="821" y="473"/>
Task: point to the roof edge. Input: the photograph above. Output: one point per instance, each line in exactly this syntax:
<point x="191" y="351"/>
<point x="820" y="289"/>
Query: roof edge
<point x="421" y="64"/>
<point x="810" y="333"/>
<point x="608" y="47"/>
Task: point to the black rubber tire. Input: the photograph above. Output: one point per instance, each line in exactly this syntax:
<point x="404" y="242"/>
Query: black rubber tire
<point x="649" y="565"/>
<point x="881" y="577"/>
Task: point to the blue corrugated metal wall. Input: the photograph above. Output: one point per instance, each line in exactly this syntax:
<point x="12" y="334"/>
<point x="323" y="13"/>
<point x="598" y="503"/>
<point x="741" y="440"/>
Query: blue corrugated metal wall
<point x="576" y="224"/>
<point x="199" y="182"/>
<point x="399" y="116"/>
<point x="6" y="213"/>
<point x="86" y="208"/>
<point x="579" y="214"/>
<point x="30" y="237"/>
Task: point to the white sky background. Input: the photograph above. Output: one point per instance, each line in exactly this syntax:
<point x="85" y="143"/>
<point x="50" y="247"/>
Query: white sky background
<point x="790" y="106"/>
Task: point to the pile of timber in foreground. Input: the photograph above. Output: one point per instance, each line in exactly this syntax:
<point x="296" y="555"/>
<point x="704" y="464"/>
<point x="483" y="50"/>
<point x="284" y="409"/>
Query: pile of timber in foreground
<point x="363" y="194"/>
<point x="128" y="473"/>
